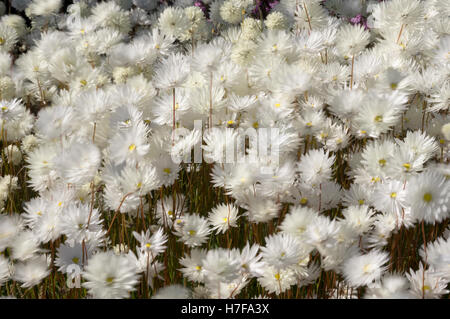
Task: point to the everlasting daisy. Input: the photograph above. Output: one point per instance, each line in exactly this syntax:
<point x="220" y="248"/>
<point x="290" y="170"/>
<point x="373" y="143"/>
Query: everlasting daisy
<point x="80" y="223"/>
<point x="25" y="246"/>
<point x="130" y="146"/>
<point x="4" y="270"/>
<point x="193" y="230"/>
<point x="79" y="163"/>
<point x="10" y="227"/>
<point x="361" y="270"/>
<point x="193" y="265"/>
<point x="67" y="255"/>
<point x="426" y="284"/>
<point x="223" y="217"/>
<point x="277" y="281"/>
<point x="173" y="292"/>
<point x="296" y="222"/>
<point x="154" y="243"/>
<point x="31" y="272"/>
<point x="429" y="197"/>
<point x="219" y="265"/>
<point x="315" y="166"/>
<point x="390" y="286"/>
<point x="359" y="218"/>
<point x="110" y="276"/>
<point x="281" y="251"/>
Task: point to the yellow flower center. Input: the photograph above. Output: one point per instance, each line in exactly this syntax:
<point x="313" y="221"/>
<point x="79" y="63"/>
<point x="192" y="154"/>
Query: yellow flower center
<point x="109" y="280"/>
<point x="167" y="170"/>
<point x="427" y="197"/>
<point x="225" y="219"/>
<point x="366" y="269"/>
<point x="83" y="82"/>
<point x="157" y="46"/>
<point x="148" y="245"/>
<point x="393" y="86"/>
<point x="243" y="11"/>
<point x="230" y="122"/>
<point x="303" y="201"/>
<point x="75" y="260"/>
<point x="442" y="141"/>
<point x="277" y="105"/>
<point x="309" y="124"/>
<point x="139" y="185"/>
<point x="378" y="118"/>
<point x="177" y="106"/>
<point x="59" y="204"/>
<point x="170" y="213"/>
<point x="198" y="268"/>
<point x="4" y="108"/>
<point x="393" y="195"/>
<point x="255" y="125"/>
<point x="407" y="166"/>
<point x="132" y="147"/>
<point x="39" y="213"/>
<point x="277" y="276"/>
<point x="382" y="162"/>
<point x="361" y="202"/>
<point x="192" y="232"/>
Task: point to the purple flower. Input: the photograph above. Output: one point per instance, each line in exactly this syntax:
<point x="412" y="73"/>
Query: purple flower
<point x="359" y="19"/>
<point x="202" y="6"/>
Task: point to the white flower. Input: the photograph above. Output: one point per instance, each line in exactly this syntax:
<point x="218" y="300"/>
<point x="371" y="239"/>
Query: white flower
<point x="32" y="271"/>
<point x="426" y="284"/>
<point x="110" y="276"/>
<point x="315" y="166"/>
<point x="79" y="163"/>
<point x="172" y="292"/>
<point x="277" y="281"/>
<point x="130" y="146"/>
<point x="10" y="227"/>
<point x="193" y="265"/>
<point x="390" y="286"/>
<point x="154" y="243"/>
<point x="351" y="40"/>
<point x="428" y="194"/>
<point x="281" y="251"/>
<point x="4" y="270"/>
<point x="220" y="266"/>
<point x="361" y="270"/>
<point x="193" y="230"/>
<point x="223" y="217"/>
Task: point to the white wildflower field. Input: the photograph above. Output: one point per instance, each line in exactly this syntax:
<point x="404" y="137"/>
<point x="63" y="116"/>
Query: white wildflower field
<point x="222" y="149"/>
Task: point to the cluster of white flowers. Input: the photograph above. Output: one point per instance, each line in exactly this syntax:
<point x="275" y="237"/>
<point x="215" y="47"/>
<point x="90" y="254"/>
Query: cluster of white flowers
<point x="343" y="121"/>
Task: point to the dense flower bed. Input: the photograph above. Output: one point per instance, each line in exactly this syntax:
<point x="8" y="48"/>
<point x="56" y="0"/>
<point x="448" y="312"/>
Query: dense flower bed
<point x="223" y="149"/>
